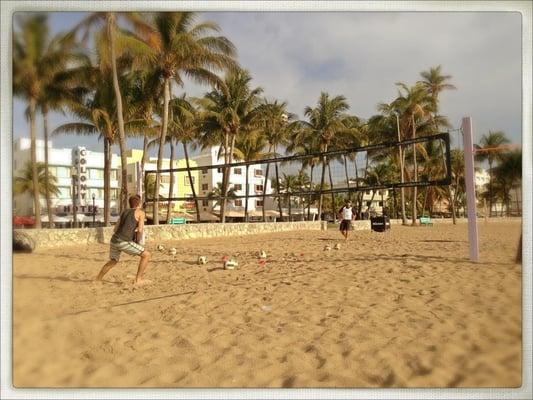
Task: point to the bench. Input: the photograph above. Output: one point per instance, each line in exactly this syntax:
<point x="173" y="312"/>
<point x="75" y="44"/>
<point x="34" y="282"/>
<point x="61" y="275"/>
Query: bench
<point x="177" y="221"/>
<point x="426" y="221"/>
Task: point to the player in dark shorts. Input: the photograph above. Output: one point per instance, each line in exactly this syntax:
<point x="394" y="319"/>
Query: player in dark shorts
<point x="126" y="237"/>
<point x="346" y="215"/>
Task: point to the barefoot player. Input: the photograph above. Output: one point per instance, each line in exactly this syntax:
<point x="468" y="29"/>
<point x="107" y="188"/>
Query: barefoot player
<point x="126" y="237"/>
<point x="346" y="215"/>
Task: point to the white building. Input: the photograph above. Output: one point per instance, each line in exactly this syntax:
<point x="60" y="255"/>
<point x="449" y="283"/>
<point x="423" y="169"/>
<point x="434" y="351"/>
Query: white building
<point x="211" y="178"/>
<point x="88" y="179"/>
<point x="482" y="179"/>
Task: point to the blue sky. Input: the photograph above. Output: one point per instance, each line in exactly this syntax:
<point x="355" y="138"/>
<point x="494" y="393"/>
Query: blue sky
<point x="296" y="55"/>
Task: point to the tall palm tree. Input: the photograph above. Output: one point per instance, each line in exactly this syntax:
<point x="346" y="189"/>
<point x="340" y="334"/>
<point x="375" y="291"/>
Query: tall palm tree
<point x="289" y="184"/>
<point x="276" y="124"/>
<point x="31" y="66"/>
<point x="488" y="146"/>
<point x="435" y="82"/>
<point x="217" y="193"/>
<point x="325" y="121"/>
<point x="109" y="54"/>
<point x="227" y="114"/>
<point x="415" y="107"/>
<point x="177" y="47"/>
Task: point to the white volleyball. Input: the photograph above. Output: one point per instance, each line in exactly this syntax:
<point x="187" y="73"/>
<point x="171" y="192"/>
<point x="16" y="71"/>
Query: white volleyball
<point x="202" y="260"/>
<point x="160" y="247"/>
<point x="262" y="254"/>
<point x="172" y="251"/>
<point x="230" y="264"/>
<point x="327" y="248"/>
<point x="337" y="246"/>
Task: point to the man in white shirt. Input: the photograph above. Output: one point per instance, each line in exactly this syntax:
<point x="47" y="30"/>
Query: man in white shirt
<point x="346" y="216"/>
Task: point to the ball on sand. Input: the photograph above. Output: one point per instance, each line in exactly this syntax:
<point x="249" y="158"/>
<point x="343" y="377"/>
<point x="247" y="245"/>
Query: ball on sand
<point x="160" y="247"/>
<point x="172" y="251"/>
<point x="230" y="264"/>
<point x="337" y="246"/>
<point x="327" y="248"/>
<point x="202" y="260"/>
<point x="262" y="254"/>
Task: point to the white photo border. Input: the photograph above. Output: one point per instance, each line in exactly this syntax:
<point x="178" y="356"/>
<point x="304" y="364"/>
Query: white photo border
<point x="7" y="391"/>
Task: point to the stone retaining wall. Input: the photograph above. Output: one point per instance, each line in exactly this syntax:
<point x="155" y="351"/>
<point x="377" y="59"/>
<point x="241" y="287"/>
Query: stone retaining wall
<point x="49" y="238"/>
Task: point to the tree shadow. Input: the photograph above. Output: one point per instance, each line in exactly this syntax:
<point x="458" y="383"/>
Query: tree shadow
<point x="58" y="278"/>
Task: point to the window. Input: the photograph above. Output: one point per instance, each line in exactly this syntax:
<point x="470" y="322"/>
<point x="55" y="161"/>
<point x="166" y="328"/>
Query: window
<point x="259" y="203"/>
<point x="367" y="192"/>
<point x="368" y="203"/>
<point x="381" y="204"/>
<point x="258" y="188"/>
<point x="130" y="178"/>
<point x="237" y="186"/>
<point x="63" y="172"/>
<point x="238" y="202"/>
<point x="204" y="171"/>
<point x="165" y="179"/>
<point x="258" y="172"/>
<point x="187" y="181"/>
<point x="237" y="171"/>
<point x="205" y="186"/>
<point x="114" y="174"/>
<point x="219" y="170"/>
<point x="51" y="171"/>
<point x="98" y="174"/>
<point x="205" y="203"/>
<point x="114" y="194"/>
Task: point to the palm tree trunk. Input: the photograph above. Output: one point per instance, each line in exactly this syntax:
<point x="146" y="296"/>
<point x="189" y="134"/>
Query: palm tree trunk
<point x="415" y="173"/>
<point x="320" y="201"/>
<point x="265" y="185"/>
<point x="171" y="186"/>
<point x="332" y="194"/>
<point x="35" y="178"/>
<point x="46" y="172"/>
<point x="490" y="188"/>
<point x="107" y="178"/>
<point x="279" y="197"/>
<point x="143" y="163"/>
<point x="290" y="208"/>
<point x="246" y="198"/>
<point x="163" y="134"/>
<point x="120" y="118"/>
<point x="518" y="210"/>
<point x="196" y="205"/>
<point x="359" y="197"/>
<point x="225" y="179"/>
<point x="454" y="218"/>
<point x="310" y="188"/>
<point x="347" y="178"/>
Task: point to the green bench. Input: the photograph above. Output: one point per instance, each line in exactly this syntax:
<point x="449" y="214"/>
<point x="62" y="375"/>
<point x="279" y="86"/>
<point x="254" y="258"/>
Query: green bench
<point x="177" y="221"/>
<point x="426" y="221"/>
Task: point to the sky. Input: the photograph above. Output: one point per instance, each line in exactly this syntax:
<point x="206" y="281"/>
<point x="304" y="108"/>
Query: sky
<point x="294" y="56"/>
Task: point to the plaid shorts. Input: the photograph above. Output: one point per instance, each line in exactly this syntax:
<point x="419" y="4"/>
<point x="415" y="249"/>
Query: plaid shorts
<point x="119" y="246"/>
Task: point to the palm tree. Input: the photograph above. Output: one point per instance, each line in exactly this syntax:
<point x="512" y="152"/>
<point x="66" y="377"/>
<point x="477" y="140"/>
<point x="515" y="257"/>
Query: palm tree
<point x="509" y="174"/>
<point x="251" y="148"/>
<point x="458" y="178"/>
<point x="276" y="124"/>
<point x="24" y="183"/>
<point x="414" y="105"/>
<point x="227" y="114"/>
<point x="488" y="150"/>
<point x="176" y="47"/>
<point x="31" y="66"/>
<point x="217" y="193"/>
<point x="325" y="121"/>
<point x="435" y="82"/>
<point x="288" y="184"/>
<point x="112" y="43"/>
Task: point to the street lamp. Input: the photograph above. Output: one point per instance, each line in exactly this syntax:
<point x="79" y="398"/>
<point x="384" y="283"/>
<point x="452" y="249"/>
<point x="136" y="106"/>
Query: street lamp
<point x="74" y="174"/>
<point x="404" y="222"/>
<point x="94" y="210"/>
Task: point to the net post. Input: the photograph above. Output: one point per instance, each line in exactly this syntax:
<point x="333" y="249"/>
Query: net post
<point x="470" y="188"/>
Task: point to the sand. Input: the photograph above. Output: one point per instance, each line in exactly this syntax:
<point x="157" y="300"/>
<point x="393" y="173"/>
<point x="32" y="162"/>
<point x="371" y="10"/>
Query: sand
<point x="401" y="309"/>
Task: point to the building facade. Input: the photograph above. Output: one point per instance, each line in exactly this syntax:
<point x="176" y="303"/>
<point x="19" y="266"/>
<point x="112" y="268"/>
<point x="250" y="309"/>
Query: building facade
<point x="182" y="185"/>
<point x="210" y="180"/>
<point x="76" y="168"/>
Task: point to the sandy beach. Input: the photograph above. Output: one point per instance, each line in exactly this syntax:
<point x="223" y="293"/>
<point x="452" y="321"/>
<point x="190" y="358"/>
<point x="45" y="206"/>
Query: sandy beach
<point x="400" y="309"/>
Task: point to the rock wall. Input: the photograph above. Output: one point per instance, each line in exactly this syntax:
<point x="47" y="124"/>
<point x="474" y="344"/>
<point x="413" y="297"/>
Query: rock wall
<point x="49" y="238"/>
